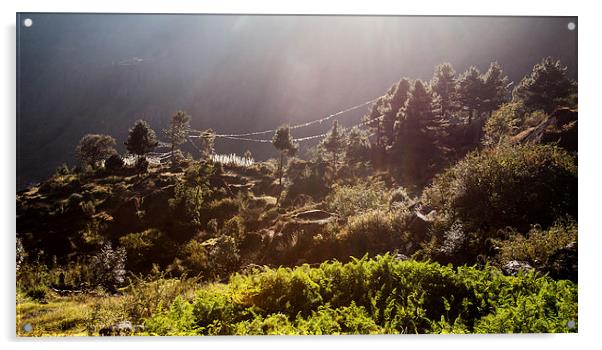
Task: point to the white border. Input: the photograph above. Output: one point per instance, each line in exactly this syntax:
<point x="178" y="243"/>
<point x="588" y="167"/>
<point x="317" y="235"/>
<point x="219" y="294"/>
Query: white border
<point x="589" y="159"/>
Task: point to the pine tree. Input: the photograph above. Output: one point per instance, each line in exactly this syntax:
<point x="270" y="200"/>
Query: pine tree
<point x="334" y="143"/>
<point x="392" y="103"/>
<point x="177" y="132"/>
<point x="417" y="134"/>
<point x="495" y="88"/>
<point x="141" y="139"/>
<point x="207" y="140"/>
<point x="357" y="147"/>
<point x="546" y="87"/>
<point x="470" y="89"/>
<point x="283" y="142"/>
<point x="376" y="124"/>
<point x="445" y="87"/>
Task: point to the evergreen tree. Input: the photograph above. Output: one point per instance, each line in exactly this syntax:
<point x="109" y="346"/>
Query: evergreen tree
<point x="357" y="147"/>
<point x="392" y="103"/>
<point x="207" y="140"/>
<point x="470" y="89"/>
<point x="495" y="88"/>
<point x="417" y="134"/>
<point x="283" y="142"/>
<point x="177" y="132"/>
<point x="141" y="139"/>
<point x="376" y="124"/>
<point x="93" y="149"/>
<point x="444" y="86"/>
<point x="334" y="143"/>
<point x="546" y="87"/>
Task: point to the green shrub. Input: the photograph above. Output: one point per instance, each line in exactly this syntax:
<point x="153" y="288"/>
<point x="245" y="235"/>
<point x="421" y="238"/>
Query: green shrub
<point x="178" y="320"/>
<point x="382" y="295"/>
<point x="538" y="246"/>
<point x="351" y="200"/>
<point x="507" y="186"/>
<point x="143" y="248"/>
<point x="114" y="163"/>
<point x="234" y="228"/>
<point x="222" y="209"/>
<point x="375" y="232"/>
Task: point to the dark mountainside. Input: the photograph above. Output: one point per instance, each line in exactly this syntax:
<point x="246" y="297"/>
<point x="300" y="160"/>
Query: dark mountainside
<point x="80" y="74"/>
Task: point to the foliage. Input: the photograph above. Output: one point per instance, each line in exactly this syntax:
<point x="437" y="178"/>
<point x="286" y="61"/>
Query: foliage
<point x="143" y="247"/>
<point x="114" y="163"/>
<point x="503" y="123"/>
<point x="93" y="149"/>
<point x="495" y="88"/>
<point x="349" y="200"/>
<point x="307" y="179"/>
<point x="538" y="246"/>
<point x="506" y="186"/>
<point x="382" y="295"/>
<point x="334" y="142"/>
<point x="358" y="146"/>
<point x="375" y="232"/>
<point x="283" y="142"/>
<point x="207" y="148"/>
<point x="470" y="88"/>
<point x="546" y="87"/>
<point x="444" y="85"/>
<point x="177" y="131"/>
<point x="109" y="267"/>
<point x="179" y="318"/>
<point x="416" y="151"/>
<point x="141" y="139"/>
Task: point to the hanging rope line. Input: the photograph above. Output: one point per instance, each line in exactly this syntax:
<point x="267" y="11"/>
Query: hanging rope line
<point x="296" y="126"/>
<point x="300" y="139"/>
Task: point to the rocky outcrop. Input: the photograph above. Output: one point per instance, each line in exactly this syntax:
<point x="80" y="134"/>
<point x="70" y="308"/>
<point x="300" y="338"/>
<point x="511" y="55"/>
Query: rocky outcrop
<point x="559" y="128"/>
<point x="122" y="328"/>
<point x="563" y="263"/>
<point x="514" y="267"/>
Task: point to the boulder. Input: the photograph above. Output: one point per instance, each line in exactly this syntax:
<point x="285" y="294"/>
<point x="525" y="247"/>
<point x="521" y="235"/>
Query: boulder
<point x="514" y="267"/>
<point x="315" y="215"/>
<point x="563" y="263"/>
<point x="122" y="328"/>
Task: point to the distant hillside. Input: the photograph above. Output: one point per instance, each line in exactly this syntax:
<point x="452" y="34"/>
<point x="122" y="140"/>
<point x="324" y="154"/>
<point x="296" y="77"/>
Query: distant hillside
<point x="99" y="73"/>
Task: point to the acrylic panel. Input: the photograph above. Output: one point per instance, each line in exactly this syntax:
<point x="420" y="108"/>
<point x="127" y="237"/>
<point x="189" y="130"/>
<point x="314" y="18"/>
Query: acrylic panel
<point x="195" y="174"/>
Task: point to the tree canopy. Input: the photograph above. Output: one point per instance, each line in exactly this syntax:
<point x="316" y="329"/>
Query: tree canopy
<point x="141" y="139"/>
<point x="94" y="148"/>
<point x="546" y="87"/>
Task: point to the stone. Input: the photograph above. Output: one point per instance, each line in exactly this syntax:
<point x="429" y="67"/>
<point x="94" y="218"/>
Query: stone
<point x="514" y="267"/>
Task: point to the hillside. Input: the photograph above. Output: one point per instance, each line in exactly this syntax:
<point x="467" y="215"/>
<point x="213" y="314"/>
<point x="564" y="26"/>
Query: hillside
<point x="439" y="212"/>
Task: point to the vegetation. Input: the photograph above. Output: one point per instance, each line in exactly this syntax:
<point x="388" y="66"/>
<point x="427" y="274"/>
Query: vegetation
<point x="452" y="208"/>
<point x="93" y="149"/>
<point x="141" y="139"/>
<point x="373" y="296"/>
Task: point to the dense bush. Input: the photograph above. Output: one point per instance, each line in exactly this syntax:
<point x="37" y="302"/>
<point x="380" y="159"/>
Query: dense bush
<point x="382" y="295"/>
<point x="538" y="247"/>
<point x="114" y="163"/>
<point x="144" y="247"/>
<point x="508" y="186"/>
<point x="109" y="267"/>
<point x="351" y="200"/>
<point x="375" y="232"/>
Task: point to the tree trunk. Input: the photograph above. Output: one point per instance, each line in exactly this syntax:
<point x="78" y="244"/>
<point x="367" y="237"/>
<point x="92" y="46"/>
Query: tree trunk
<point x="280" y="169"/>
<point x="280" y="177"/>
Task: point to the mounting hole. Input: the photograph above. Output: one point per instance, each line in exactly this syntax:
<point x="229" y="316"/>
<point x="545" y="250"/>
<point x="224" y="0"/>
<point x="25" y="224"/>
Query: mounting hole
<point x="27" y="22"/>
<point x="571" y="26"/>
<point x="27" y="327"/>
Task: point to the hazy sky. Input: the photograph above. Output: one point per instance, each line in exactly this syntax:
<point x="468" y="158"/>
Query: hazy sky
<point x="83" y="74"/>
